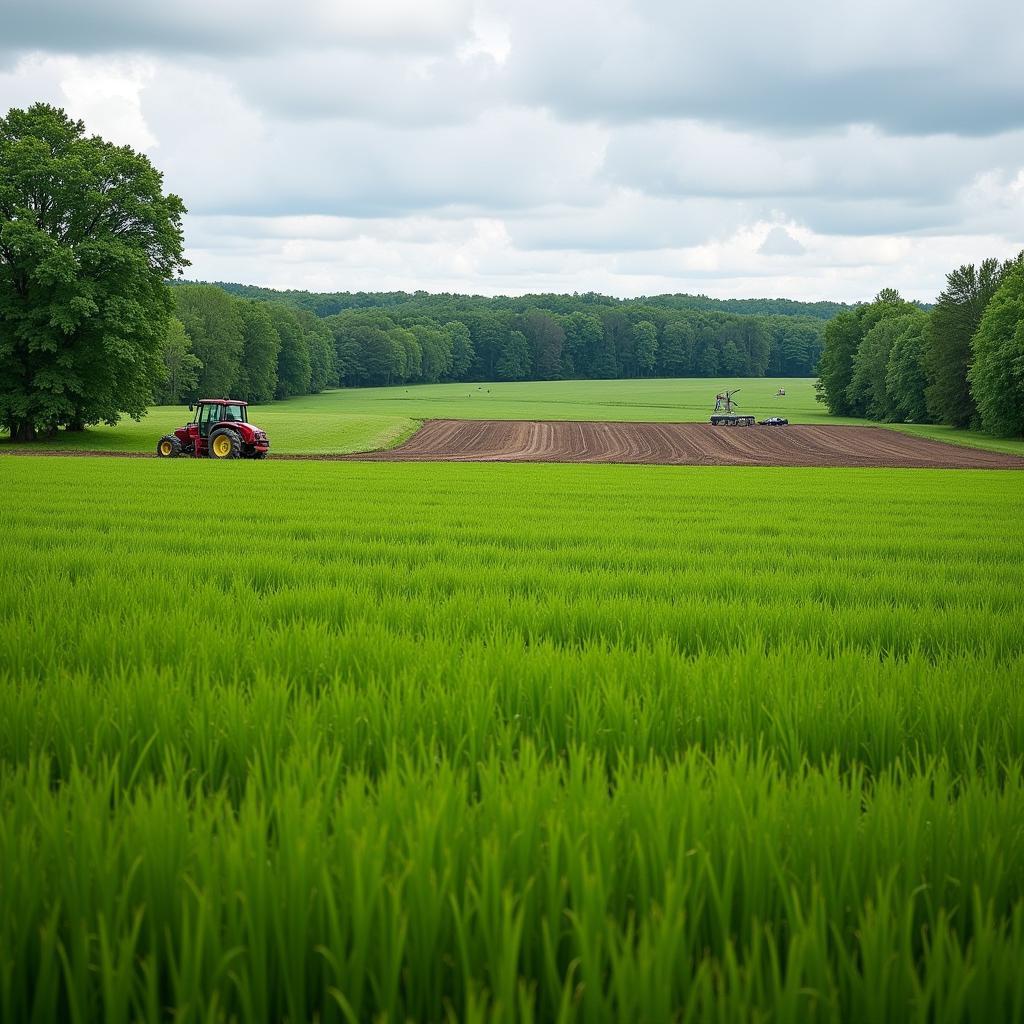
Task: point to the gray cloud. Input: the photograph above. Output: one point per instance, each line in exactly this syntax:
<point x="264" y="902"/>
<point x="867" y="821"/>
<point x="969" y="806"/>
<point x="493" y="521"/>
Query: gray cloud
<point x="911" y="67"/>
<point x="496" y="145"/>
<point x="229" y="27"/>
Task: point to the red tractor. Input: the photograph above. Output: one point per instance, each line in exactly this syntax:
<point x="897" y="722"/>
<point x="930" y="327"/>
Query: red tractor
<point x="219" y="431"/>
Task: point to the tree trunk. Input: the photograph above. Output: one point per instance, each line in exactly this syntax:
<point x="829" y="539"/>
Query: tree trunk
<point x="77" y="425"/>
<point x="23" y="431"/>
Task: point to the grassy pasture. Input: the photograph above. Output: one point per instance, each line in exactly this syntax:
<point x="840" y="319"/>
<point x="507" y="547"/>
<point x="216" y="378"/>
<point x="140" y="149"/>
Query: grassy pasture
<point x="360" y="419"/>
<point x="474" y="742"/>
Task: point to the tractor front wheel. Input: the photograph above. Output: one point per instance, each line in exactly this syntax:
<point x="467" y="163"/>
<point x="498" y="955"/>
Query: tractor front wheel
<point x="168" y="447"/>
<point x="225" y="444"/>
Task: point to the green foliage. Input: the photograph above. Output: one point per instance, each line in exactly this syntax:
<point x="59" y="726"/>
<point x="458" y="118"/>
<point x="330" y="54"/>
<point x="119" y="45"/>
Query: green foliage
<point x="514" y="362"/>
<point x="323" y="370"/>
<point x="261" y="344"/>
<point x="410" y="356"/>
<point x="332" y="303"/>
<point x="675" y="355"/>
<point x="181" y="367"/>
<point x="87" y="238"/>
<point x="401" y="749"/>
<point x="589" y="336"/>
<point x="795" y="347"/>
<point x="905" y="378"/>
<point x="545" y="337"/>
<point x="645" y="346"/>
<point x="951" y="326"/>
<point x="997" y="374"/>
<point x="869" y="389"/>
<point x="294" y="371"/>
<point x="436" y="354"/>
<point x="214" y="322"/>
<point x="844" y="335"/>
<point x="255" y="350"/>
<point x="461" y="348"/>
<point x="583" y="339"/>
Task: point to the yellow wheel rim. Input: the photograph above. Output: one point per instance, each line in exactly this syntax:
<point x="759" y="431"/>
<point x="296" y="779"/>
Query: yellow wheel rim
<point x="165" y="447"/>
<point x="222" y="447"/>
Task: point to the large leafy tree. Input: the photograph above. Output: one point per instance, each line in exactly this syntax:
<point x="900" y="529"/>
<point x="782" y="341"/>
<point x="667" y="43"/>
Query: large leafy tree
<point x="87" y="240"/>
<point x="997" y="371"/>
<point x="954" y="320"/>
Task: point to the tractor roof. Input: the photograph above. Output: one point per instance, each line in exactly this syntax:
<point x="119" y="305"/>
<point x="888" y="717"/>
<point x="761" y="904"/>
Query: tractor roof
<point x="222" y="401"/>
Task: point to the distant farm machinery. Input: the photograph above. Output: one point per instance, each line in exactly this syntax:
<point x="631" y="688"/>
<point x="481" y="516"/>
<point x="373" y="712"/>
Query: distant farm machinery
<point x="725" y="414"/>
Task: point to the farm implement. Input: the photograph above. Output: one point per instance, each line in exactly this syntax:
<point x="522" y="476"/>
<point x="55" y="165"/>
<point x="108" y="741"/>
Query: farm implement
<point x="725" y="414"/>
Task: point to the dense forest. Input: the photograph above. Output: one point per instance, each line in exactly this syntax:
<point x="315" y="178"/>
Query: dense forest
<point x="261" y="344"/>
<point x="961" y="363"/>
<point x="329" y="303"/>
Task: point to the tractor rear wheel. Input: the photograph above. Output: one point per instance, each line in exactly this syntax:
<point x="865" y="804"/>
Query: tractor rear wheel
<point x="225" y="444"/>
<point x="168" y="447"/>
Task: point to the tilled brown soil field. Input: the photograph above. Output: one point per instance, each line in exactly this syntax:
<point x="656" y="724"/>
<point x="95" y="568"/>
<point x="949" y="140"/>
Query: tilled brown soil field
<point x="682" y="444"/>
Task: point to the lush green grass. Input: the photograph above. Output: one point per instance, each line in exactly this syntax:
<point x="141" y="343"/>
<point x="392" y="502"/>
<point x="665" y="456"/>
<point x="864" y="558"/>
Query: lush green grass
<point x="654" y="401"/>
<point x="969" y="438"/>
<point x="360" y="419"/>
<point x="312" y="424"/>
<point x="510" y="742"/>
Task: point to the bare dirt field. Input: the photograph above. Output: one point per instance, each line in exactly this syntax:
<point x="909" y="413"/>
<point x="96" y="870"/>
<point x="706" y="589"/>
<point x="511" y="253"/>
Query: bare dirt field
<point x="683" y="444"/>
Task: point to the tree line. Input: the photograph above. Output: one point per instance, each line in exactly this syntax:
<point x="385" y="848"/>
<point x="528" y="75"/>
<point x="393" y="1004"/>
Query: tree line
<point x="218" y="345"/>
<point x="960" y="363"/>
<point x="221" y="341"/>
<point x="329" y="303"/>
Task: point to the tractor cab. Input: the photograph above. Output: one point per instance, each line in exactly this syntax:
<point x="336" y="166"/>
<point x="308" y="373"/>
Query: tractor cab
<point x="212" y="411"/>
<point x="220" y="430"/>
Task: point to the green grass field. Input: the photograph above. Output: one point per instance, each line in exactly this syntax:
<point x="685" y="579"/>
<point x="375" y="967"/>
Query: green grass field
<point x="353" y="742"/>
<point x="361" y="419"/>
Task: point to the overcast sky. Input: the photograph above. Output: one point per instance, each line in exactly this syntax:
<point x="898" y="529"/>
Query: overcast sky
<point x="737" y="148"/>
